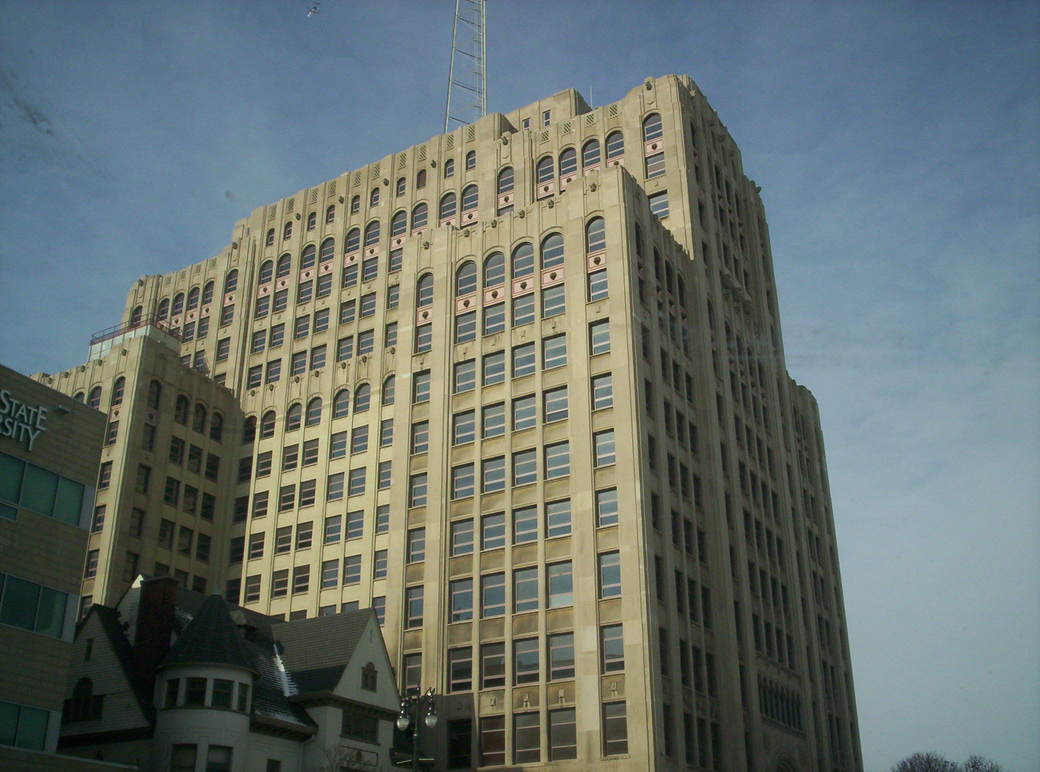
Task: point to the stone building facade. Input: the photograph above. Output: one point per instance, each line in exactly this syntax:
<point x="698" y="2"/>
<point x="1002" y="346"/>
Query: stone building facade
<point x="521" y="389"/>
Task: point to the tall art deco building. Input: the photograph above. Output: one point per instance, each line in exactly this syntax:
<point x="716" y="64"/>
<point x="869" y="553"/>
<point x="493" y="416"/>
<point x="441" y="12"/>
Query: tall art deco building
<point x="521" y="389"/>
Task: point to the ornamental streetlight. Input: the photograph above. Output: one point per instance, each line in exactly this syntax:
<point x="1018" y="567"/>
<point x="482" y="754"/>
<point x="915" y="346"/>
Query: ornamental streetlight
<point x="412" y="706"/>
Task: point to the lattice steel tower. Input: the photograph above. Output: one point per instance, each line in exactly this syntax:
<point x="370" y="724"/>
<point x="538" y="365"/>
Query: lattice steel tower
<point x="468" y="80"/>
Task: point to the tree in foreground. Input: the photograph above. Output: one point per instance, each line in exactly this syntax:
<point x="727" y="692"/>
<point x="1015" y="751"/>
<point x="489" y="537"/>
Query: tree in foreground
<point x="936" y="762"/>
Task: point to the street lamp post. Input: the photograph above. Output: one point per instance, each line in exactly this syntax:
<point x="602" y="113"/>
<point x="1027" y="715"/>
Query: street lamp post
<point x="411" y="707"/>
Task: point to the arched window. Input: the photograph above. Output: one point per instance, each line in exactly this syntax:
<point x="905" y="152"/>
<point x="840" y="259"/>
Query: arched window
<point x="447" y="206"/>
<point x="178" y="304"/>
<point x="470" y="198"/>
<point x="355" y="204"/>
<point x="312" y="221"/>
<point x="330" y="214"/>
<point x="373" y="197"/>
<point x="270" y="238"/>
<point x="216" y="427"/>
<point x="198" y="423"/>
<point x="86" y="706"/>
<point x="362" y="398"/>
<point x="505" y="180"/>
<point x="420" y="215"/>
<point x="389" y="390"/>
<point x="652" y="128"/>
<point x="207" y="289"/>
<point x="284" y="266"/>
<point x="369" y="674"/>
<point x="372" y="233"/>
<point x="590" y="154"/>
<point x="615" y="144"/>
<point x="400" y="187"/>
<point x="399" y="223"/>
<point x="471" y="160"/>
<point x="543" y="171"/>
<point x="293" y="417"/>
<point x="266" y="272"/>
<point x="341" y="403"/>
<point x="117" y="391"/>
<point x="466" y="279"/>
<point x="314" y="412"/>
<point x="595" y="235"/>
<point x="249" y="430"/>
<point x="193" y="299"/>
<point x="449" y="167"/>
<point x="552" y="250"/>
<point x="494" y="269"/>
<point x="135" y="316"/>
<point x="180" y="410"/>
<point x="308" y="256"/>
<point x="154" y="394"/>
<point x="164" y="310"/>
<point x="420" y="179"/>
<point x="353" y="242"/>
<point x="267" y="424"/>
<point x="424" y="290"/>
<point x="287" y="231"/>
<point x="79" y="396"/>
<point x="523" y="260"/>
<point x="94" y="400"/>
<point x="568" y="161"/>
<point x="327" y="251"/>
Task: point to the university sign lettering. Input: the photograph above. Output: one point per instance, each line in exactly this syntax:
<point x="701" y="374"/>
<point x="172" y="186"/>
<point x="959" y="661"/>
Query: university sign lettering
<point x="20" y="421"/>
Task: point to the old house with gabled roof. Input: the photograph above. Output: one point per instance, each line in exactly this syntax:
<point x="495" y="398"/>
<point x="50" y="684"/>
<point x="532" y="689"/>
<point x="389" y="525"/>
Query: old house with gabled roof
<point x="171" y="679"/>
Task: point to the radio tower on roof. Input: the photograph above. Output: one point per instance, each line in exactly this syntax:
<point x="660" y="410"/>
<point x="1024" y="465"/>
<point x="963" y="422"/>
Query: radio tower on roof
<point x="467" y="75"/>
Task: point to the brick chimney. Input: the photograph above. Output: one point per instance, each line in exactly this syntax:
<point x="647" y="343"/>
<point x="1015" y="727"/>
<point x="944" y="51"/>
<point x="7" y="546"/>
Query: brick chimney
<point x="155" y="612"/>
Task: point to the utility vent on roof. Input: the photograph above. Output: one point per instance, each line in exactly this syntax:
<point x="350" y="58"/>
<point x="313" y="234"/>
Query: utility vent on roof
<point x="566" y="128"/>
<point x="291" y="205"/>
<point x="449" y="143"/>
<point x="590" y="119"/>
<point x="314" y="195"/>
<point x="471" y="133"/>
<point x="357" y="178"/>
<point x="402" y="160"/>
<point x="422" y="153"/>
<point x="612" y="111"/>
<point x="272" y="210"/>
<point x="543" y="137"/>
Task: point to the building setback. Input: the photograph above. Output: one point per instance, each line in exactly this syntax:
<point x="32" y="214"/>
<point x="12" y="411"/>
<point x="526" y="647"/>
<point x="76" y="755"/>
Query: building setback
<point x="520" y="389"/>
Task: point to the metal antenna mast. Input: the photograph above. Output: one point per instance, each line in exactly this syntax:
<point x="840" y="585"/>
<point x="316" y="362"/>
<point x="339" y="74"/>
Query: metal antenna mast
<point x="467" y="82"/>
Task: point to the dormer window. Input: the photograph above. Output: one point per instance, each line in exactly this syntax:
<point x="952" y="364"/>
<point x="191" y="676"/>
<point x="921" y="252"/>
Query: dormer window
<point x="369" y="677"/>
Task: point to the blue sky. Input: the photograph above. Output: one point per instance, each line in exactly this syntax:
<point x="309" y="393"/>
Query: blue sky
<point x="896" y="145"/>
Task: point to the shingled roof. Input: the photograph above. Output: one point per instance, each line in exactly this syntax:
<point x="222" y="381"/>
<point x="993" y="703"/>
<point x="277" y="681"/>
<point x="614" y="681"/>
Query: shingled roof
<point x="211" y="638"/>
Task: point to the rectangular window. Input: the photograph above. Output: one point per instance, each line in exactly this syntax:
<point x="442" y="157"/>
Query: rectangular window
<point x="610" y="574"/>
<point x="615" y="729"/>
<point x="421" y="387"/>
<point x="286" y="498"/>
<point x="523" y="360"/>
<point x="493" y="531"/>
<point x="493" y="420"/>
<point x="393" y="292"/>
<point x="523" y="310"/>
<point x="461" y="537"/>
<point x="463" y="482"/>
<point x="557" y="518"/>
<point x="274" y="371"/>
<point x="557" y="460"/>
<point x="492" y="665"/>
<point x="352" y="569"/>
<point x="329" y="574"/>
<point x="304" y="535"/>
<point x="525" y="467"/>
<point x="283" y="540"/>
<point x="333" y="528"/>
<point x="259" y="341"/>
<point x="423" y="338"/>
<point x="606" y="507"/>
<point x="281" y="300"/>
<point x="417" y="490"/>
<point x="367" y="306"/>
<point x="460" y="673"/>
<point x="602" y="391"/>
<point x="416" y="546"/>
<point x="563" y="738"/>
<point x="612" y="649"/>
<point x="494" y="368"/>
<point x="383" y="518"/>
<point x="290" y="457"/>
<point x="345" y="348"/>
<point x="277" y="336"/>
<point x="659" y="204"/>
<point x="554" y="404"/>
<point x="298" y="363"/>
<point x="413" y="607"/>
<point x="347" y="311"/>
<point x="334" y="487"/>
<point x="323" y="289"/>
<point x="493" y="474"/>
<point x="304" y="292"/>
<point x="525" y="412"/>
<point x="559" y="584"/>
<point x="366" y="342"/>
<point x="463" y="427"/>
<point x="356" y="482"/>
<point x="597" y="285"/>
<point x="317" y="357"/>
<point x="421" y="436"/>
<point x="525" y="524"/>
<point x="492" y="739"/>
<point x="359" y="439"/>
<point x="492" y="595"/>
<point x="603" y="448"/>
<point x="301" y="579"/>
<point x="465" y="327"/>
<point x="386" y="432"/>
<point x="390" y="335"/>
<point x="461" y="599"/>
<point x="465" y="376"/>
<point x="554" y="301"/>
<point x="301" y="327"/>
<point x="525" y="591"/>
<point x="526" y="731"/>
<point x="554" y="352"/>
<point x="494" y="318"/>
<point x="561" y="656"/>
<point x="256" y="545"/>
